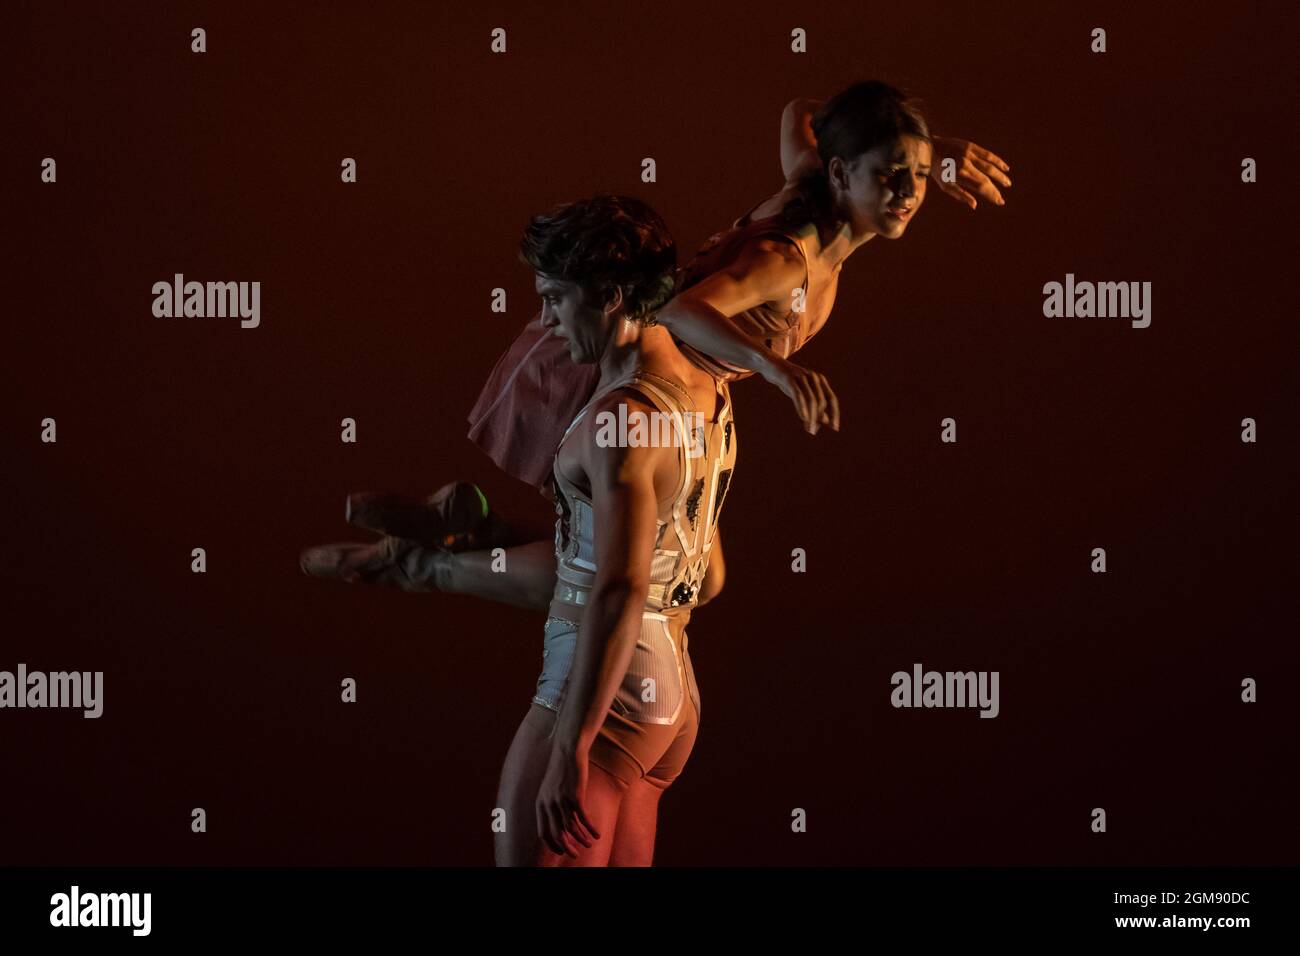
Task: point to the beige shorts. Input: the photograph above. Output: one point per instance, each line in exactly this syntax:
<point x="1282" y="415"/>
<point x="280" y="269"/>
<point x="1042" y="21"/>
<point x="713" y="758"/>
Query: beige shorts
<point x="651" y="726"/>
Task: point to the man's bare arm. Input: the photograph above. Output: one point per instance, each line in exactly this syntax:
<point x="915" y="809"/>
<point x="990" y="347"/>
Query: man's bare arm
<point x="625" y="508"/>
<point x="716" y="573"/>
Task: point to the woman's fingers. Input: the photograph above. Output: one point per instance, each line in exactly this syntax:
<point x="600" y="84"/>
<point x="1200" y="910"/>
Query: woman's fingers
<point x="959" y="194"/>
<point x="989" y="156"/>
<point x="830" y="411"/>
<point x="812" y="417"/>
<point x="992" y="171"/>
<point x="982" y="185"/>
<point x="832" y="405"/>
<point x="800" y="403"/>
<point x="980" y="170"/>
<point x="815" y="401"/>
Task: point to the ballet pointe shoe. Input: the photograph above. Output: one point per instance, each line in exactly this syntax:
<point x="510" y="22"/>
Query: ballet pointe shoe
<point x="390" y="562"/>
<point x="456" y="517"/>
<point x="345" y="561"/>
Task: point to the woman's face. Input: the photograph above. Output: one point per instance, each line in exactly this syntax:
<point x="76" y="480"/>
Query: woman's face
<point x="881" y="190"/>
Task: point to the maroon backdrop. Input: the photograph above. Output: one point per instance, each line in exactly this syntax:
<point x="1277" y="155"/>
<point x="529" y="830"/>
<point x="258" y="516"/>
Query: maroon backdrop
<point x="1118" y="690"/>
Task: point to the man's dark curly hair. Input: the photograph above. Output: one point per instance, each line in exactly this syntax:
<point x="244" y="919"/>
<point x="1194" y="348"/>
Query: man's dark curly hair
<point x="606" y="241"/>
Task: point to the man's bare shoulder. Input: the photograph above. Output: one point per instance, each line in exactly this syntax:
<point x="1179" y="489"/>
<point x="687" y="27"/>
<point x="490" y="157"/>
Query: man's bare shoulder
<point x="611" y="447"/>
<point x="624" y="397"/>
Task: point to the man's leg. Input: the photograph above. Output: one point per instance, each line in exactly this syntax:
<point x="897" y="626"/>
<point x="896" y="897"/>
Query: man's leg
<point x="521" y="778"/>
<point x="634" y="840"/>
<point x="638" y="817"/>
<point x="604" y="797"/>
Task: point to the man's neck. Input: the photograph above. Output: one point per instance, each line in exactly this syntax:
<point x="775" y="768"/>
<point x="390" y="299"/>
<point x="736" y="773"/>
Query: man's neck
<point x="635" y="347"/>
<point x="653" y="350"/>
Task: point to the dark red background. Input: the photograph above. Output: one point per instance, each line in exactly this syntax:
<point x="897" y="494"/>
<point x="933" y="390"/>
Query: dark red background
<point x="222" y="690"/>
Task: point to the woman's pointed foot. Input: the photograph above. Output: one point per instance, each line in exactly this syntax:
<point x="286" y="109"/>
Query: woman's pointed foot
<point x="346" y="561"/>
<point x="390" y="562"/>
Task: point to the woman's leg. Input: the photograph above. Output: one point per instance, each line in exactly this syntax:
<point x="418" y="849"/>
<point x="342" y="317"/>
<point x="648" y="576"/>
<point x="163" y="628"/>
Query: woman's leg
<point x="456" y="517"/>
<point x="523" y="576"/>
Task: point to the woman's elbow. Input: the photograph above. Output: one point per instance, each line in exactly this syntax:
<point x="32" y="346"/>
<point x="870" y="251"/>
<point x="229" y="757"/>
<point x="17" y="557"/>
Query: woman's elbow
<point x="795" y="106"/>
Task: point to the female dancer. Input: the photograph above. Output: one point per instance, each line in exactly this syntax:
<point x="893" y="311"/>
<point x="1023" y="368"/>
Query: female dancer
<point x="855" y="168"/>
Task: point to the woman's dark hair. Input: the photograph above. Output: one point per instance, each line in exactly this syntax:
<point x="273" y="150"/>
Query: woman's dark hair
<point x="855" y="121"/>
<point x="605" y="241"/>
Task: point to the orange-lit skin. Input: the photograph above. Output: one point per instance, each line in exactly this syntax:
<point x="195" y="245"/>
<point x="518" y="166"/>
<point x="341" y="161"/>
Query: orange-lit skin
<point x="765" y="271"/>
<point x="863" y="189"/>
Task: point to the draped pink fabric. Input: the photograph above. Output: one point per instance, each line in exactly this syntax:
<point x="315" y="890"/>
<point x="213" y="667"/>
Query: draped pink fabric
<point x="530" y="398"/>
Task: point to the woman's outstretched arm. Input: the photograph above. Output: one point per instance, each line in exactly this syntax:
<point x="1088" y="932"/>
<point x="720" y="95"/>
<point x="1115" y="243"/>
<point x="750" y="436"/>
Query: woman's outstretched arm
<point x="766" y="271"/>
<point x="798" y="144"/>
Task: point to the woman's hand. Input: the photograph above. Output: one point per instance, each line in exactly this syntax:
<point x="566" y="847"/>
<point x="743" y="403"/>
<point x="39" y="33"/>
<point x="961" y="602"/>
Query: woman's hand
<point x="811" y="393"/>
<point x="559" y="803"/>
<point x="978" y="171"/>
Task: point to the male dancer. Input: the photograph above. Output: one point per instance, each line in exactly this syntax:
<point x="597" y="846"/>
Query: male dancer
<point x="616" y="711"/>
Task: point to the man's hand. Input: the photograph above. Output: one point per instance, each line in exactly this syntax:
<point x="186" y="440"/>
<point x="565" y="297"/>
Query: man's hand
<point x="561" y="817"/>
<point x="978" y="171"/>
<point x="811" y="393"/>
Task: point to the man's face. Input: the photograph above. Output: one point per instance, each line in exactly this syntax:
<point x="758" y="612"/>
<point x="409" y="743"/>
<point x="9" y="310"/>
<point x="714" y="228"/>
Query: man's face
<point x="569" y="315"/>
